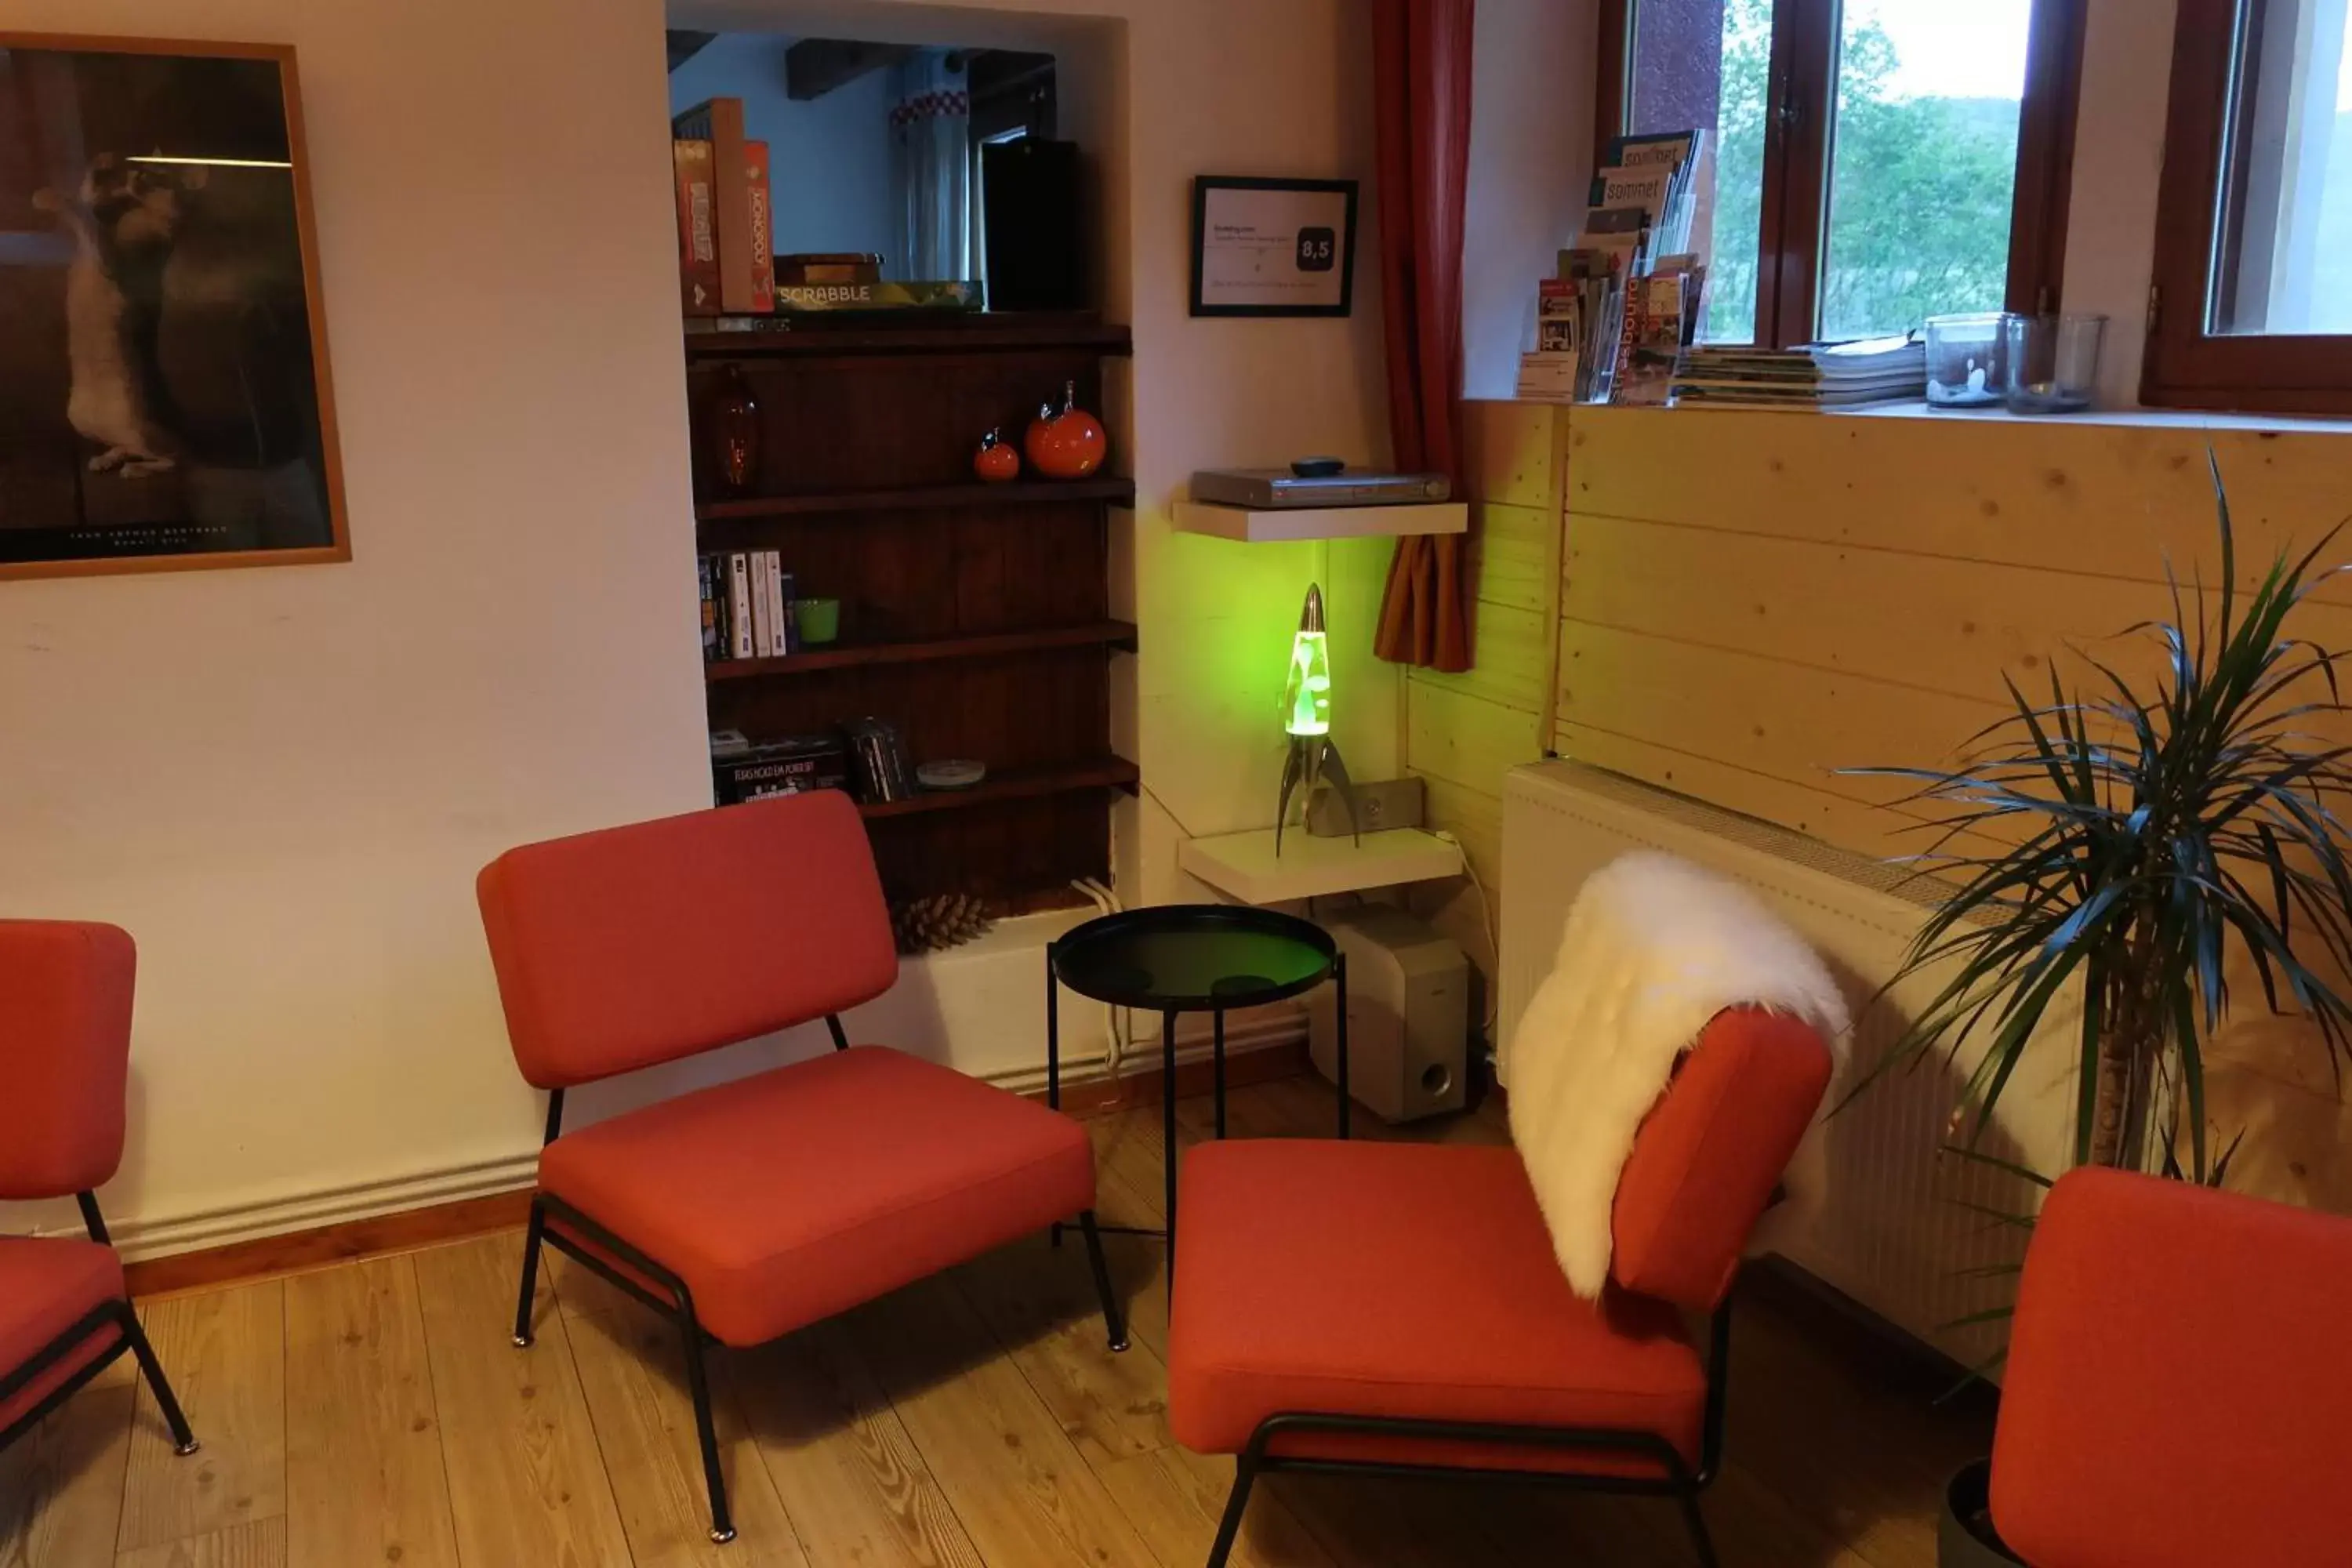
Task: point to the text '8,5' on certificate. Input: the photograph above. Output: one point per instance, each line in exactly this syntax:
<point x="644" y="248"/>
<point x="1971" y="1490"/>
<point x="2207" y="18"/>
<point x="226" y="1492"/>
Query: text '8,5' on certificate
<point x="1272" y="247"/>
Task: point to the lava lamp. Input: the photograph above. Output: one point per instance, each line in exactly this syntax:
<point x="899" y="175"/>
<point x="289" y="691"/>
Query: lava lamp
<point x="1314" y="762"/>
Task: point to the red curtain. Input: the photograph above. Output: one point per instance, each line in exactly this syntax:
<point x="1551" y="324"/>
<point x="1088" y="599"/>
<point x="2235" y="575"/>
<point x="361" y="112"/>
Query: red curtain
<point x="1420" y="63"/>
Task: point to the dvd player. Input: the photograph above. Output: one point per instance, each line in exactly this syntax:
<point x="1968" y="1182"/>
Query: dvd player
<point x="1274" y="489"/>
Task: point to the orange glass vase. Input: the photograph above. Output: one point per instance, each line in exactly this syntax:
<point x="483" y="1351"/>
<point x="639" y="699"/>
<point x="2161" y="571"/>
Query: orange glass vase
<point x="1067" y="443"/>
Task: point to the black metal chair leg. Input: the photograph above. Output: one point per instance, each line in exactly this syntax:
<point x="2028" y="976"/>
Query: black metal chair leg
<point x="184" y="1440"/>
<point x="530" y="1273"/>
<point x="1701" y="1544"/>
<point x="1236" y="1502"/>
<point x="1217" y="1052"/>
<point x="722" y="1523"/>
<point x="1112" y="1322"/>
<point x="1167" y="1133"/>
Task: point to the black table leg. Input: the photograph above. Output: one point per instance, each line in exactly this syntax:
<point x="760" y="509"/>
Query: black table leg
<point x="1167" y="1130"/>
<point x="1217" y="1051"/>
<point x="1339" y="979"/>
<point x="1053" y="1055"/>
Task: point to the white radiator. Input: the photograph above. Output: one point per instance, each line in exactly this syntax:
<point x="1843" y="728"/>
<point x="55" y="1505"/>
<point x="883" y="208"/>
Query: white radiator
<point x="1875" y="1209"/>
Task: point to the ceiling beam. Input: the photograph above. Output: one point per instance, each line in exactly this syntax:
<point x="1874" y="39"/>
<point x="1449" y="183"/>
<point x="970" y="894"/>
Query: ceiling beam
<point x="684" y="46"/>
<point x="814" y="67"/>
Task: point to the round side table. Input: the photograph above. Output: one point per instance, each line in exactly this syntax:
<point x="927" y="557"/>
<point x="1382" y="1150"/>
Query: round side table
<point x="1174" y="958"/>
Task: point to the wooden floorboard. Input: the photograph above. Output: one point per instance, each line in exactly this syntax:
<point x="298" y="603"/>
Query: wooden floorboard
<point x="365" y="1478"/>
<point x="225" y="1353"/>
<point x="373" y="1414"/>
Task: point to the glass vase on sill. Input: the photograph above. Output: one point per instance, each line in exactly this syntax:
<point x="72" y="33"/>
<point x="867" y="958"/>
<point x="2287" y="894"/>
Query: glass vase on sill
<point x="2054" y="362"/>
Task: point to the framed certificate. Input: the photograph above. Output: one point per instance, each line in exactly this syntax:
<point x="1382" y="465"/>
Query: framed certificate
<point x="1272" y="247"/>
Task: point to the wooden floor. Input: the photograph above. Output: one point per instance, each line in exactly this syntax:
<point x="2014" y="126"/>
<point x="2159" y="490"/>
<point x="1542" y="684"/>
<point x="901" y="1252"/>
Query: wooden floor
<point x="375" y="1414"/>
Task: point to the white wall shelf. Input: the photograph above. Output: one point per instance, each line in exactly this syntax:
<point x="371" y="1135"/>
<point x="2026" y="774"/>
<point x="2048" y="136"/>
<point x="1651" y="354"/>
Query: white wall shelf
<point x="1243" y="865"/>
<point x="1322" y="522"/>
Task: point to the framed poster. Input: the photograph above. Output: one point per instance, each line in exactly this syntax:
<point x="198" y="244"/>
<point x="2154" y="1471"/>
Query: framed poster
<point x="164" y="400"/>
<point x="1272" y="247"/>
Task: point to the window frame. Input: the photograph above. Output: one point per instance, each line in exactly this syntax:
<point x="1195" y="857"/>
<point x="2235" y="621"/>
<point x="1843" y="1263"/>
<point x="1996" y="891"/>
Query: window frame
<point x="1799" y="107"/>
<point x="2185" y="366"/>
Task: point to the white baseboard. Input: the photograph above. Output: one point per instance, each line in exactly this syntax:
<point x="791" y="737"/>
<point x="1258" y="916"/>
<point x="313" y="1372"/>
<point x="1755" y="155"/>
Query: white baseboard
<point x="166" y="1235"/>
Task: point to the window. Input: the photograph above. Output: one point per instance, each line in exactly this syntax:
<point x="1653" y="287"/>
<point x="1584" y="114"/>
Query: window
<point x="2253" y="302"/>
<point x="1877" y="161"/>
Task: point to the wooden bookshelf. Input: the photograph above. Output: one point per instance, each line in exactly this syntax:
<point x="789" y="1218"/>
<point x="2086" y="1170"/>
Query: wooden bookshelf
<point x="975" y="617"/>
<point x="1093" y="634"/>
<point x="934" y="497"/>
<point x="1014" y="783"/>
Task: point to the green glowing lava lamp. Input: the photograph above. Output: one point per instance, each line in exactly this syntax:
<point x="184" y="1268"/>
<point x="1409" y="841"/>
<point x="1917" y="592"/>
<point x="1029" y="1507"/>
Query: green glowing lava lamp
<point x="1314" y="761"/>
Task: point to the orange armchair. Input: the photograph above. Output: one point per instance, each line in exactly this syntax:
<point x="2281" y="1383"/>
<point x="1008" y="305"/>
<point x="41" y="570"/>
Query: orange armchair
<point x="65" y="1054"/>
<point x="747" y="1210"/>
<point x="1396" y="1308"/>
<point x="2179" y="1390"/>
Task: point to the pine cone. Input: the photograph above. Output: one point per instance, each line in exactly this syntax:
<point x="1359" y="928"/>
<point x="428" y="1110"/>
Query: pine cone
<point x="937" y="921"/>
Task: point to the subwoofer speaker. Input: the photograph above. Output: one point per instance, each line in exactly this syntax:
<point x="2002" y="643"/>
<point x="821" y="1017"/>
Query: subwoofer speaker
<point x="1029" y="196"/>
<point x="1408" y="1015"/>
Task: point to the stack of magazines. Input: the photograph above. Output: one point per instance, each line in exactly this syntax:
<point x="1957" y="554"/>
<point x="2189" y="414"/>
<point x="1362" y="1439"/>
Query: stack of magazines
<point x="1634" y="274"/>
<point x="1809" y="376"/>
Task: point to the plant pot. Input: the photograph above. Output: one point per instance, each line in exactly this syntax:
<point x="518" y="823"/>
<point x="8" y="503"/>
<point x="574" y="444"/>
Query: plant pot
<point x="1964" y="1535"/>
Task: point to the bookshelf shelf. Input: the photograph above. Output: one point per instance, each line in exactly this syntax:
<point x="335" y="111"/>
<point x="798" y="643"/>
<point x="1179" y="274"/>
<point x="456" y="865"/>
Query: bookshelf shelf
<point x="905" y="332"/>
<point x="981" y="615"/>
<point x="926" y="498"/>
<point x="1014" y="783"/>
<point x="1093" y="634"/>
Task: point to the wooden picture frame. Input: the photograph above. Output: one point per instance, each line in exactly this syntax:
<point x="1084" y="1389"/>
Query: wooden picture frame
<point x="1236" y="269"/>
<point x="166" y="407"/>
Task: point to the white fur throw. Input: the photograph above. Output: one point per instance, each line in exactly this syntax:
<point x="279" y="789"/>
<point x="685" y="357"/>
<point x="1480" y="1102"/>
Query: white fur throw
<point x="1654" y="948"/>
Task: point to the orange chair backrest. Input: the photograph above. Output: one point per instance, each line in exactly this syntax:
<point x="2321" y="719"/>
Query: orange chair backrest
<point x="635" y="945"/>
<point x="1711" y="1151"/>
<point x="2179" y="1390"/>
<point x="65" y="1054"/>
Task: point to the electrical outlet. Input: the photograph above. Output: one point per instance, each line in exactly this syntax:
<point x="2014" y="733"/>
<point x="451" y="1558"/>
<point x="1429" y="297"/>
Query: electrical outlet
<point x="1381" y="805"/>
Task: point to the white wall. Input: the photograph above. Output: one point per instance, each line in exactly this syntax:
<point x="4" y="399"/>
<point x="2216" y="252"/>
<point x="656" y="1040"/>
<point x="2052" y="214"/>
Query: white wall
<point x="283" y="781"/>
<point x="2118" y="157"/>
<point x="828" y="158"/>
<point x="1531" y="167"/>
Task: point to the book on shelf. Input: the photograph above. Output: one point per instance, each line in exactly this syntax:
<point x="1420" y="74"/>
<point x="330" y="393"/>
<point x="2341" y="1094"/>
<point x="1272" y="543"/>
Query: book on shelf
<point x="738" y="605"/>
<point x="747" y="605"/>
<point x="720" y="122"/>
<point x="1650" y="345"/>
<point x="698" y="235"/>
<point x="763" y="226"/>
<point x="744" y="770"/>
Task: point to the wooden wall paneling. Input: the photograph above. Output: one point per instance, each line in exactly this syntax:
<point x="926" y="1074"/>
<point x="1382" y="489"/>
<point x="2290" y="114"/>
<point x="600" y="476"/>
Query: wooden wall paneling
<point x="1786" y="722"/>
<point x="1850" y="825"/>
<point x="1512" y="557"/>
<point x="2052" y="495"/>
<point x="1467" y="740"/>
<point x="1513" y="663"/>
<point x="1946" y="625"/>
<point x="1514" y="452"/>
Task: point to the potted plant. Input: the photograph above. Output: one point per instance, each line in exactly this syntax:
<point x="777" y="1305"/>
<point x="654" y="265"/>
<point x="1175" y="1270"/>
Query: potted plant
<point x="2146" y="832"/>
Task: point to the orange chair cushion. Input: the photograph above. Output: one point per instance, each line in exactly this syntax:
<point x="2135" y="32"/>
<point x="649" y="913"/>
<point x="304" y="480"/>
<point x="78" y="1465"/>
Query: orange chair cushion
<point x="635" y="945"/>
<point x="787" y="1197"/>
<point x="1403" y="1279"/>
<point x="2179" y="1391"/>
<point x="65" y="1052"/>
<point x="46" y="1286"/>
<point x="1711" y="1151"/>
